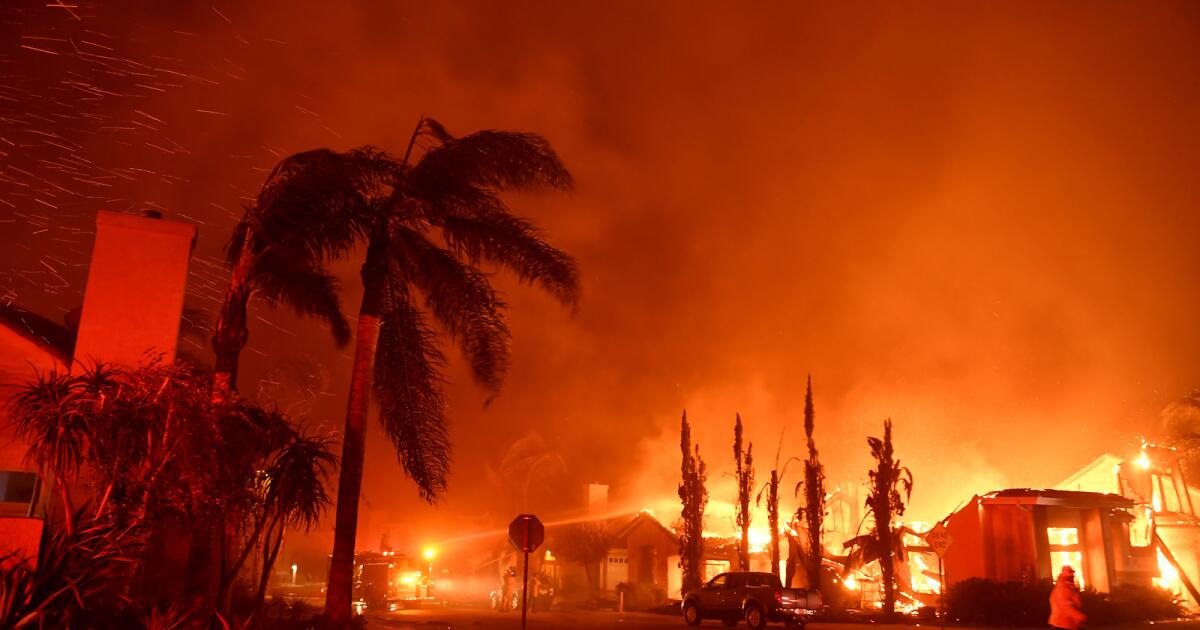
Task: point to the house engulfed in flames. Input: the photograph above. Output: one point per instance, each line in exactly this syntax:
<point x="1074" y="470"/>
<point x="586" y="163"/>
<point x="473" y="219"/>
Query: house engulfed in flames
<point x="1164" y="528"/>
<point x="1115" y="521"/>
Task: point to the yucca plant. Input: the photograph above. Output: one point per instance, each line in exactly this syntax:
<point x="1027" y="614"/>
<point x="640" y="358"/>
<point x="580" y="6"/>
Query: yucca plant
<point x="74" y="573"/>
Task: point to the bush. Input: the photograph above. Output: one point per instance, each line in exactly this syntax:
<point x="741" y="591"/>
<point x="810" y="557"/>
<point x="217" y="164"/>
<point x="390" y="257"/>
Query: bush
<point x="642" y="595"/>
<point x="977" y="601"/>
<point x="1130" y="604"/>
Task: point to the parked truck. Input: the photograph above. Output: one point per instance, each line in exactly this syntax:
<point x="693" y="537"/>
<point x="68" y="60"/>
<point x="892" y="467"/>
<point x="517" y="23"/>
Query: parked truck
<point x="758" y="598"/>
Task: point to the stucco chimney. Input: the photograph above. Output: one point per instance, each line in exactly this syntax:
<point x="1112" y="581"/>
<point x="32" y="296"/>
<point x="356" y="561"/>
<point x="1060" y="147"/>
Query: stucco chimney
<point x="134" y="297"/>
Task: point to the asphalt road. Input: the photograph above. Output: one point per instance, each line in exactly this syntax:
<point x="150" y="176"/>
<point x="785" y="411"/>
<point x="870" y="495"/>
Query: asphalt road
<point x="457" y="619"/>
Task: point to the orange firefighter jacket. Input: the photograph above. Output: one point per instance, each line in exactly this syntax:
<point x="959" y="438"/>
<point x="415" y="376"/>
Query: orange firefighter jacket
<point x="1066" y="606"/>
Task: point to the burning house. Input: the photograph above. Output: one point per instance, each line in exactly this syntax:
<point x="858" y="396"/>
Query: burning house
<point x="643" y="551"/>
<point x="1164" y="519"/>
<point x="1024" y="535"/>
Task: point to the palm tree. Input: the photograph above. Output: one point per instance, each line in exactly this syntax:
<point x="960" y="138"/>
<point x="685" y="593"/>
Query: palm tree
<point x="279" y="249"/>
<point x="427" y="227"/>
<point x="295" y="496"/>
<point x="890" y="487"/>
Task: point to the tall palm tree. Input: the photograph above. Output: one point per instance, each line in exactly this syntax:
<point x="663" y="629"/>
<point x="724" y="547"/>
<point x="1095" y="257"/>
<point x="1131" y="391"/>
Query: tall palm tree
<point x="427" y="225"/>
<point x="279" y="249"/>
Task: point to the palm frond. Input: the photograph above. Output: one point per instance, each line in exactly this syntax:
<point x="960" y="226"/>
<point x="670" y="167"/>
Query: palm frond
<point x="308" y="288"/>
<point x="46" y="414"/>
<point x="482" y="229"/>
<point x="498" y="160"/>
<point x="297" y="479"/>
<point x="408" y="389"/>
<point x="460" y="299"/>
<point x="73" y="572"/>
<point x="319" y="202"/>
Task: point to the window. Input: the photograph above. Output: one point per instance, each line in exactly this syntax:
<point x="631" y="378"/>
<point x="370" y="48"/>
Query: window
<point x="712" y="568"/>
<point x="758" y="581"/>
<point x="17" y="490"/>
<point x="1065" y="551"/>
<point x="718" y="582"/>
<point x="16" y="486"/>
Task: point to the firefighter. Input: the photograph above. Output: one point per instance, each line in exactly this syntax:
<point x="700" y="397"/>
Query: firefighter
<point x="1066" y="606"/>
<point x="510" y="587"/>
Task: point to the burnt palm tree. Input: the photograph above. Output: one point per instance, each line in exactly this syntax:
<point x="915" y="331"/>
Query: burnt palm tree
<point x="428" y="224"/>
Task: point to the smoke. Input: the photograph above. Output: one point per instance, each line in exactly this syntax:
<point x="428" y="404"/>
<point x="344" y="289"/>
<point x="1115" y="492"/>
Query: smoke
<point x="978" y="221"/>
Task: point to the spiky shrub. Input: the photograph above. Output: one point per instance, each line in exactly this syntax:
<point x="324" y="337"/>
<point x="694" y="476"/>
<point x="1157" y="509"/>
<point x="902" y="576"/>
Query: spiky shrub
<point x="694" y="497"/>
<point x="75" y="573"/>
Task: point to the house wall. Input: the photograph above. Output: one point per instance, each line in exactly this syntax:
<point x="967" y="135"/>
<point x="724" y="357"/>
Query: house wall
<point x="965" y="557"/>
<point x="1013" y="549"/>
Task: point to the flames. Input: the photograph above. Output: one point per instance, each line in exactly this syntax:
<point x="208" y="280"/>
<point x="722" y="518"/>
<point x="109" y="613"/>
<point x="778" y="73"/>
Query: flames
<point x="1168" y="577"/>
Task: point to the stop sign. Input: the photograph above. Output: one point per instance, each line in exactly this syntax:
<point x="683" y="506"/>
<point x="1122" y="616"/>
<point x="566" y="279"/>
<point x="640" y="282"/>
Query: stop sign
<point x="526" y="533"/>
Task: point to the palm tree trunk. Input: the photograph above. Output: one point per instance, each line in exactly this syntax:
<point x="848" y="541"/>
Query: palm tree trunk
<point x="232" y="330"/>
<point x="340" y="589"/>
<point x="887" y="569"/>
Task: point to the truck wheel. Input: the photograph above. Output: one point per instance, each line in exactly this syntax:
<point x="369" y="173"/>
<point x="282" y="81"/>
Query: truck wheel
<point x="691" y="614"/>
<point x="756" y="619"/>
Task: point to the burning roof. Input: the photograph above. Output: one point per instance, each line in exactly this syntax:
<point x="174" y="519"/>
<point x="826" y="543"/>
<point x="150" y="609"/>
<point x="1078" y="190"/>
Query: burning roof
<point x="1074" y="498"/>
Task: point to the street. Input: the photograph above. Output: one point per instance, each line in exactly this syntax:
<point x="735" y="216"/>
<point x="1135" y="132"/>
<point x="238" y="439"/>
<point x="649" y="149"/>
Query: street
<point x="479" y="619"/>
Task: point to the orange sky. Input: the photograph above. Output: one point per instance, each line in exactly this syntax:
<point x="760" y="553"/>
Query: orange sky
<point x="977" y="219"/>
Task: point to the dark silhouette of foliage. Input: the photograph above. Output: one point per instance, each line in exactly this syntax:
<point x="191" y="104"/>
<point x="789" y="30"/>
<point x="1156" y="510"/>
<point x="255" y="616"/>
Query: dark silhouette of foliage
<point x="978" y="601"/>
<point x="308" y="211"/>
<point x="771" y="490"/>
<point x="161" y="453"/>
<point x="890" y="487"/>
<point x="744" y="474"/>
<point x="814" y="495"/>
<point x="74" y="571"/>
<point x="694" y="496"/>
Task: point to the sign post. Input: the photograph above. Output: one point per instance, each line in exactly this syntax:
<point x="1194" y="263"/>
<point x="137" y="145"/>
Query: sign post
<point x="526" y="534"/>
<point x="939" y="540"/>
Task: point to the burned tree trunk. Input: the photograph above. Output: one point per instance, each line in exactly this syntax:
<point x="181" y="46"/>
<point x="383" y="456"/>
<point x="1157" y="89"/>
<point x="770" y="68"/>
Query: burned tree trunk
<point x="232" y="329"/>
<point x="745" y="486"/>
<point x="773" y="519"/>
<point x="814" y="494"/>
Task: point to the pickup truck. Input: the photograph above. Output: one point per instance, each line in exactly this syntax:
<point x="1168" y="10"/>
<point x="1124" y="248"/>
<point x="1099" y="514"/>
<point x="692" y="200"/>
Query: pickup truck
<point x="755" y="597"/>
